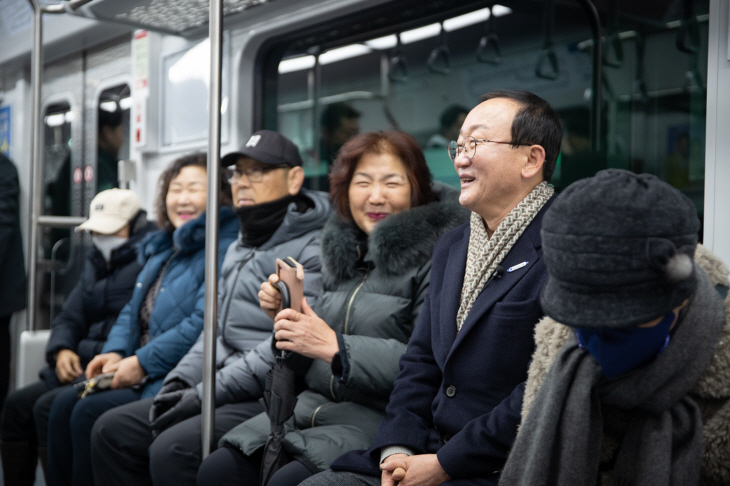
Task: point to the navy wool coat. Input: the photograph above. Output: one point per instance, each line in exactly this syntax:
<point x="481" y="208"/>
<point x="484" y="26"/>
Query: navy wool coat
<point x="459" y="395"/>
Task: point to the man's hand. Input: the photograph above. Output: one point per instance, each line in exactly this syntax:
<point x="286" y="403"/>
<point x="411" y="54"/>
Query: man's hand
<point x="171" y="408"/>
<point x="127" y="372"/>
<point x="305" y="334"/>
<point x="420" y="470"/>
<point x="270" y="297"/>
<point x="386" y="478"/>
<point x="68" y="366"/>
<point x="101" y="361"/>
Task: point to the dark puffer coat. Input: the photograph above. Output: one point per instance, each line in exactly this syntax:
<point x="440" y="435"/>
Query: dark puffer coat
<point x="93" y="305"/>
<point x="372" y="303"/>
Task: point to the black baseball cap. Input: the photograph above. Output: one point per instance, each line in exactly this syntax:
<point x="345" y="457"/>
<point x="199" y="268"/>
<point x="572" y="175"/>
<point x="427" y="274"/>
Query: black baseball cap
<point x="267" y="147"/>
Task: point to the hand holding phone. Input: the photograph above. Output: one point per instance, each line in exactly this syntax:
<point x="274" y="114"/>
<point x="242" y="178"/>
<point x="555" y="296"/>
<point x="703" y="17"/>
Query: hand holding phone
<point x="291" y="283"/>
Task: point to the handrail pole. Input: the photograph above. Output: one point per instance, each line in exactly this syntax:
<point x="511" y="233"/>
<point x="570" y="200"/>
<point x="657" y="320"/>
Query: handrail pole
<point x="215" y="34"/>
<point x="35" y="161"/>
<point x="597" y="62"/>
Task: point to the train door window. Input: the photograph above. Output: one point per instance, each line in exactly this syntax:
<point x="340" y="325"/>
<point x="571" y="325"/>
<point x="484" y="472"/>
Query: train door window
<point x="113" y="129"/>
<point x="409" y="66"/>
<point x="56" y="153"/>
<point x="185" y="95"/>
<point x="61" y="194"/>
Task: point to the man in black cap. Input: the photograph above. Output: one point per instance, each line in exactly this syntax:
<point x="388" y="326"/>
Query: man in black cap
<point x="159" y="439"/>
<point x="637" y="390"/>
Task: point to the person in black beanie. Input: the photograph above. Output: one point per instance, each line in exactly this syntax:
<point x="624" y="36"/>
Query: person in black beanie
<point x="158" y="440"/>
<point x="632" y="386"/>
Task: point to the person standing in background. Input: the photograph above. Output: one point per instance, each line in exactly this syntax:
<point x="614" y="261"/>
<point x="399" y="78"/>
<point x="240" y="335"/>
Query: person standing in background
<point x="450" y="122"/>
<point x="12" y="264"/>
<point x="109" y="141"/>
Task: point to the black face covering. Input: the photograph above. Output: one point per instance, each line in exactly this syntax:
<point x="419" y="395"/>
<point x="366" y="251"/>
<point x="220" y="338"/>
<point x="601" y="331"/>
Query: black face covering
<point x="260" y="221"/>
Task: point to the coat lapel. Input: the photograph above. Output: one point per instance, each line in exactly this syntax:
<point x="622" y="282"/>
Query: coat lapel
<point x="524" y="250"/>
<point x="451" y="291"/>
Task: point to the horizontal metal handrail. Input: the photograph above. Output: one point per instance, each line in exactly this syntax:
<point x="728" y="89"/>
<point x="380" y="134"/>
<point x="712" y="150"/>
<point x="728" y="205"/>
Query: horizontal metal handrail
<point x="60" y="221"/>
<point x="328" y="100"/>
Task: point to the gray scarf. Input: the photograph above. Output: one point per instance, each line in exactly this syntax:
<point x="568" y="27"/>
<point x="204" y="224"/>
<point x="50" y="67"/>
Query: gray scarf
<point x="485" y="254"/>
<point x="560" y="439"/>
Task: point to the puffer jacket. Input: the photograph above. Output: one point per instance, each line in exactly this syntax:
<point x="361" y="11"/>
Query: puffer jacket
<point x="241" y="323"/>
<point x="711" y="393"/>
<point x="177" y="316"/>
<point x="96" y="300"/>
<point x="372" y="303"/>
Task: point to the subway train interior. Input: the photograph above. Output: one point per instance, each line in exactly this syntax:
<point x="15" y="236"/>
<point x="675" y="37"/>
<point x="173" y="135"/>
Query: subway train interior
<point x="639" y="85"/>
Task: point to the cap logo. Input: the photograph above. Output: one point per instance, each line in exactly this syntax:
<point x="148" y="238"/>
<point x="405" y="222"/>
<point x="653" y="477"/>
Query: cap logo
<point x="98" y="207"/>
<point x="253" y="141"/>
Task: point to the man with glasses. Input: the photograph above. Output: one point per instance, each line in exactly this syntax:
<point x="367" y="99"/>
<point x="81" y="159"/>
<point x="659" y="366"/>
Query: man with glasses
<point x="455" y="407"/>
<point x="159" y="439"/>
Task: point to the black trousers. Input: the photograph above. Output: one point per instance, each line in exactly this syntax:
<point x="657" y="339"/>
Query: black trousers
<point x="227" y="466"/>
<point x="25" y="414"/>
<point x="4" y="355"/>
<point x="124" y="451"/>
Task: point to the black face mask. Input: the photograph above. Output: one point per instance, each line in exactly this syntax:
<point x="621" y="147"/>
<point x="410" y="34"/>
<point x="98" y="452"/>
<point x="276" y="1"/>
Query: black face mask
<point x="260" y="221"/>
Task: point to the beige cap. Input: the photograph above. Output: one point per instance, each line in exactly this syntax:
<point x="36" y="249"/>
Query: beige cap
<point x="110" y="211"/>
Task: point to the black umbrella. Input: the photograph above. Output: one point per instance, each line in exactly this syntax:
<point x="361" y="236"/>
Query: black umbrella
<point x="278" y="401"/>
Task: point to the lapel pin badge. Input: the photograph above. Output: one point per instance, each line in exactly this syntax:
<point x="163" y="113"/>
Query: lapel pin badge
<point x="517" y="267"/>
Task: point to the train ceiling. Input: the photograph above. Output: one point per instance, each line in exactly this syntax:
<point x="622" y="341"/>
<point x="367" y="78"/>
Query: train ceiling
<point x="187" y="18"/>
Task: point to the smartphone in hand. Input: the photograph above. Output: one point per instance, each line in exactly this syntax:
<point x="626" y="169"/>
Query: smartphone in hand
<point x="291" y="283"/>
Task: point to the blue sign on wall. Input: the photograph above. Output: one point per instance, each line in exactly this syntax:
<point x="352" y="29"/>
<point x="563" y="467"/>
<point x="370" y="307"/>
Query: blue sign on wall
<point x="5" y="130"/>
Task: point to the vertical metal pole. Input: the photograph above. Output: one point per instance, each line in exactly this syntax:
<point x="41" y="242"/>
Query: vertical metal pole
<point x="597" y="62"/>
<point x="215" y="35"/>
<point x="315" y="85"/>
<point x="35" y="161"/>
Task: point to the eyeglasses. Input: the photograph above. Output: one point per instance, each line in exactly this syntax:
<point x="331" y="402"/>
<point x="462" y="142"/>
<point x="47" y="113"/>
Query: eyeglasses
<point x="253" y="174"/>
<point x="469" y="147"/>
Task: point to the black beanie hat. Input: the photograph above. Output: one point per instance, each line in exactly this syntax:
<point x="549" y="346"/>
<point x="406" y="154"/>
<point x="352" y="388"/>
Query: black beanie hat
<point x="618" y="248"/>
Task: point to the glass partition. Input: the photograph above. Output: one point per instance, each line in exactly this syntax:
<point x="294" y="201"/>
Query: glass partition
<point x="61" y="249"/>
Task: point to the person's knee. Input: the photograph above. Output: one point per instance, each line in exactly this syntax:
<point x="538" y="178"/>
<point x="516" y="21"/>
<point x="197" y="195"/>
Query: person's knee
<point x="63" y="405"/>
<point x="10" y="408"/>
<point x="103" y="434"/>
<point x="170" y="447"/>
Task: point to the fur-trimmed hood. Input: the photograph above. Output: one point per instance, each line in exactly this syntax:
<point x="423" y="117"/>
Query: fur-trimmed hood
<point x="711" y="392"/>
<point x="397" y="244"/>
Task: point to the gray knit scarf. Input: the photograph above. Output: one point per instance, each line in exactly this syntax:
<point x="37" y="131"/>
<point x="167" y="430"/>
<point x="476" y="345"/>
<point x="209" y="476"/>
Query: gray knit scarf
<point x="485" y="253"/>
<point x="560" y="440"/>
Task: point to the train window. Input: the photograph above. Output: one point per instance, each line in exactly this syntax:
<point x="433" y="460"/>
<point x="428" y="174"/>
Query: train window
<point x="113" y="129"/>
<point x="411" y="68"/>
<point x="185" y="94"/>
<point x="57" y="178"/>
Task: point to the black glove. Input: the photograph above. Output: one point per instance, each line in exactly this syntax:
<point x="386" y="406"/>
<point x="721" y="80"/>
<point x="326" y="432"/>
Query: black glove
<point x="165" y="404"/>
<point x="171" y="408"/>
<point x="173" y="385"/>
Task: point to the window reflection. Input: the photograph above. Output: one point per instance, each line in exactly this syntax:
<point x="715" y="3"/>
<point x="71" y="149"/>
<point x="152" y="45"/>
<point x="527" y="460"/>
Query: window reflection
<point x="652" y="112"/>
